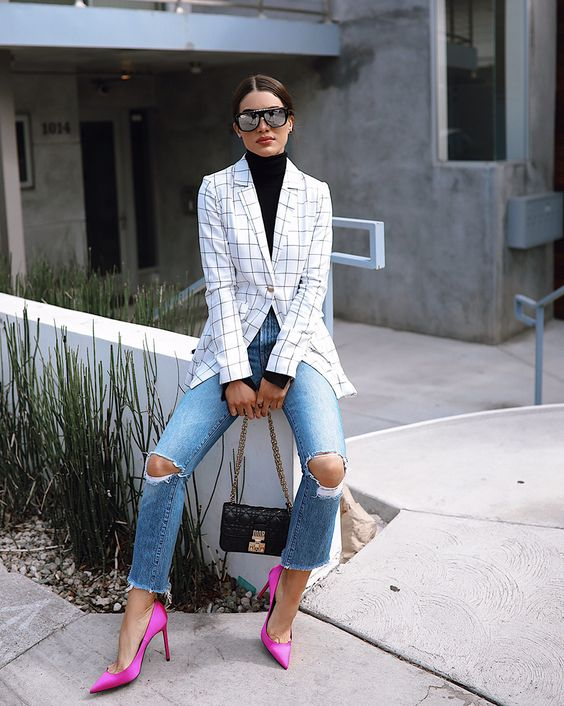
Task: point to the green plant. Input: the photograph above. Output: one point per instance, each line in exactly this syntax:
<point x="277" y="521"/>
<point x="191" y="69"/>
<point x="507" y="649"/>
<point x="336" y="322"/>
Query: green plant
<point x="73" y="286"/>
<point x="22" y="481"/>
<point x="71" y="432"/>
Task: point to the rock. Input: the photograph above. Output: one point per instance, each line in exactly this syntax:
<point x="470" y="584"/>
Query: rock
<point x="117" y="607"/>
<point x="102" y="601"/>
<point x="245" y="602"/>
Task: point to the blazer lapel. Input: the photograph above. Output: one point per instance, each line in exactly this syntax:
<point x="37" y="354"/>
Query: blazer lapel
<point x="286" y="215"/>
<point x="249" y="198"/>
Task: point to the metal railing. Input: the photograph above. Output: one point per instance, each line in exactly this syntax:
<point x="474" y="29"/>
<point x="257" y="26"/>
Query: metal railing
<point x="375" y="261"/>
<point x="521" y="301"/>
<point x="323" y="11"/>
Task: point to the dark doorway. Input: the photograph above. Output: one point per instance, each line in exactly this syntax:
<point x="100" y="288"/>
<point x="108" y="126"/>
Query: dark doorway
<point x="142" y="189"/>
<point x="559" y="156"/>
<point x="100" y="194"/>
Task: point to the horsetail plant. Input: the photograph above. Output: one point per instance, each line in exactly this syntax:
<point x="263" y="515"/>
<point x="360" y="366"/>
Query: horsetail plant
<point x="71" y="434"/>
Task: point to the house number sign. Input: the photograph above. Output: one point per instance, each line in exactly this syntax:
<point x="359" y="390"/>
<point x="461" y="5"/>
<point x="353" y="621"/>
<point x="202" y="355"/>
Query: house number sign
<point x="56" y="128"/>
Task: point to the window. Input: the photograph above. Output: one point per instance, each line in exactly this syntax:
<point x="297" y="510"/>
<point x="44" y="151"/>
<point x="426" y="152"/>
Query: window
<point x="481" y="64"/>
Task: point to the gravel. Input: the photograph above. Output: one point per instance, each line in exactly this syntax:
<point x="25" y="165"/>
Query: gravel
<point x="29" y="548"/>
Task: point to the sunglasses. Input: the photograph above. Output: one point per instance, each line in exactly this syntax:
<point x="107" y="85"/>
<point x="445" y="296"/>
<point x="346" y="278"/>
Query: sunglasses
<point x="250" y="119"/>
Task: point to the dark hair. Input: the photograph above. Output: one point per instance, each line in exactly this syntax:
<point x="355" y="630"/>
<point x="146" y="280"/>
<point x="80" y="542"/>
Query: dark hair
<point x="260" y="82"/>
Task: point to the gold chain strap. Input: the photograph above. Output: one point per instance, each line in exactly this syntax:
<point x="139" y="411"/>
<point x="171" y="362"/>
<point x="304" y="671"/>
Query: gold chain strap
<point x="239" y="459"/>
<point x="275" y="453"/>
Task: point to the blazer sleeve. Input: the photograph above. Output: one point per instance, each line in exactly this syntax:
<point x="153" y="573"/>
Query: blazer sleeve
<point x="306" y="307"/>
<point x="227" y="341"/>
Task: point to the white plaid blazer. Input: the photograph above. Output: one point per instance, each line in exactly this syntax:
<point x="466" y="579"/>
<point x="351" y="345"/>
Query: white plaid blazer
<point x="243" y="281"/>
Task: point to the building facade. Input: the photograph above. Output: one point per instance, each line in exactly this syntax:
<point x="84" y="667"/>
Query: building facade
<point x="427" y="114"/>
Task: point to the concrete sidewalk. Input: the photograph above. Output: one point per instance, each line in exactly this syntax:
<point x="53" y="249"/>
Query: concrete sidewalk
<point x="453" y="603"/>
<point x="404" y="377"/>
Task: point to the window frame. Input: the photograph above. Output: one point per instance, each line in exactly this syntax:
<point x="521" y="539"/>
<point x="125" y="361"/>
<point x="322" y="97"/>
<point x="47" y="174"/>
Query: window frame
<point x="516" y="91"/>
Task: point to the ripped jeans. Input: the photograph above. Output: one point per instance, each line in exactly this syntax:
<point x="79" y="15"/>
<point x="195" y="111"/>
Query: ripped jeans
<point x="199" y="420"/>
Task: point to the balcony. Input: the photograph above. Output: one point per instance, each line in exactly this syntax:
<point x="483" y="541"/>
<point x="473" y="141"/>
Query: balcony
<point x="168" y="32"/>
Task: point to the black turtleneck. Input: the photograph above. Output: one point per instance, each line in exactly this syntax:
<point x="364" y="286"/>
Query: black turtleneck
<point x="268" y="175"/>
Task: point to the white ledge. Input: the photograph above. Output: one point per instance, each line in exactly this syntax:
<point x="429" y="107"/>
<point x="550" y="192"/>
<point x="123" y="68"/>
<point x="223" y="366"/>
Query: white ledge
<point x="38" y="25"/>
<point x="166" y="343"/>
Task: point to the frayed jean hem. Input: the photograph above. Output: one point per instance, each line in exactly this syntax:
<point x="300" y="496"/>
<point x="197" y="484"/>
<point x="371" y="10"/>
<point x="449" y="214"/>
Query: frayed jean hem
<point x="305" y="568"/>
<point x="166" y="591"/>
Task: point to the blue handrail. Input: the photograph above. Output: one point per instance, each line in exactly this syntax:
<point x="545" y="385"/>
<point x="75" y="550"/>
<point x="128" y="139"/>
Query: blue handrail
<point x="375" y="261"/>
<point x="521" y="301"/>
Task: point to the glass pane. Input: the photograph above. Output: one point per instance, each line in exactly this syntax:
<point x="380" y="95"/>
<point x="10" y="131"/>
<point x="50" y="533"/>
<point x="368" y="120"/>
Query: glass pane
<point x="475" y="58"/>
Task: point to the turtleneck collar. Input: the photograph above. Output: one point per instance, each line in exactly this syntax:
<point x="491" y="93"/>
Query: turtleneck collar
<point x="266" y="167"/>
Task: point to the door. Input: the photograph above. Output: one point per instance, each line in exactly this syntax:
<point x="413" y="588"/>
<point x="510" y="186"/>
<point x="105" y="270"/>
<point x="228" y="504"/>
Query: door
<point x="99" y="168"/>
<point x="117" y="177"/>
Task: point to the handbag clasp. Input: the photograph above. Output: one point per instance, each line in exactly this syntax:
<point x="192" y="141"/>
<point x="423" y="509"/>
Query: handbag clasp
<point x="257" y="544"/>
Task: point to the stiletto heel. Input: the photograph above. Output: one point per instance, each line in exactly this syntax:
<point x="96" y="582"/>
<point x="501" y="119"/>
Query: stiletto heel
<point x="157" y="622"/>
<point x="262" y="592"/>
<point x="165" y="638"/>
<point x="279" y="650"/>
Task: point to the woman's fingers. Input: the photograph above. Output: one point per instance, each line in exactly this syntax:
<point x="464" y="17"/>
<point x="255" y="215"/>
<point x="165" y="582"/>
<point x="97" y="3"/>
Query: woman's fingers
<point x="271" y="396"/>
<point x="246" y="409"/>
<point x="240" y="399"/>
<point x="261" y="407"/>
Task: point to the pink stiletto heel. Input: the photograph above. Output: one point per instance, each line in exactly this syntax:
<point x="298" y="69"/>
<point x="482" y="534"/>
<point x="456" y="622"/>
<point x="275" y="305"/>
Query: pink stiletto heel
<point x="157" y="622"/>
<point x="279" y="650"/>
<point x="165" y="638"/>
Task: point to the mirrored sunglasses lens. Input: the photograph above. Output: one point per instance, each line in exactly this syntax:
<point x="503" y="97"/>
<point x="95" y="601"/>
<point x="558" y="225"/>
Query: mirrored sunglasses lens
<point x="275" y="118"/>
<point x="248" y="121"/>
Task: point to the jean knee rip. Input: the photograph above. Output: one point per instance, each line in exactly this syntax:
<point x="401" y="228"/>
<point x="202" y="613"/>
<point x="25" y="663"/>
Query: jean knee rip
<point x="154" y="480"/>
<point x="323" y="491"/>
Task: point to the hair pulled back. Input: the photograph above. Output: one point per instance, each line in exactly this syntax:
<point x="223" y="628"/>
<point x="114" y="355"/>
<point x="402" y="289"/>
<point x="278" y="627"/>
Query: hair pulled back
<point x="261" y="82"/>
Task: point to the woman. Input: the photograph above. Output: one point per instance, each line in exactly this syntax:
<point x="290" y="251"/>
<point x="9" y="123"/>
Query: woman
<point x="265" y="238"/>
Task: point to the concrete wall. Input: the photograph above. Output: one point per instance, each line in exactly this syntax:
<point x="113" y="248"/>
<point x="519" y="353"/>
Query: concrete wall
<point x="448" y="270"/>
<point x="53" y="210"/>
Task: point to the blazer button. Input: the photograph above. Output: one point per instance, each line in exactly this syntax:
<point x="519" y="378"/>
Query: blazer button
<point x="270" y="289"/>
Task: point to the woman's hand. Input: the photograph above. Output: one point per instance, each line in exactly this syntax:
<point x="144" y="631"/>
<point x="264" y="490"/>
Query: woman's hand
<point x="241" y="399"/>
<point x="270" y="396"/>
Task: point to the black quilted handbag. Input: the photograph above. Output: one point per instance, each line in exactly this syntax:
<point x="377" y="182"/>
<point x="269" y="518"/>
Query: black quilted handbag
<point x="252" y="529"/>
